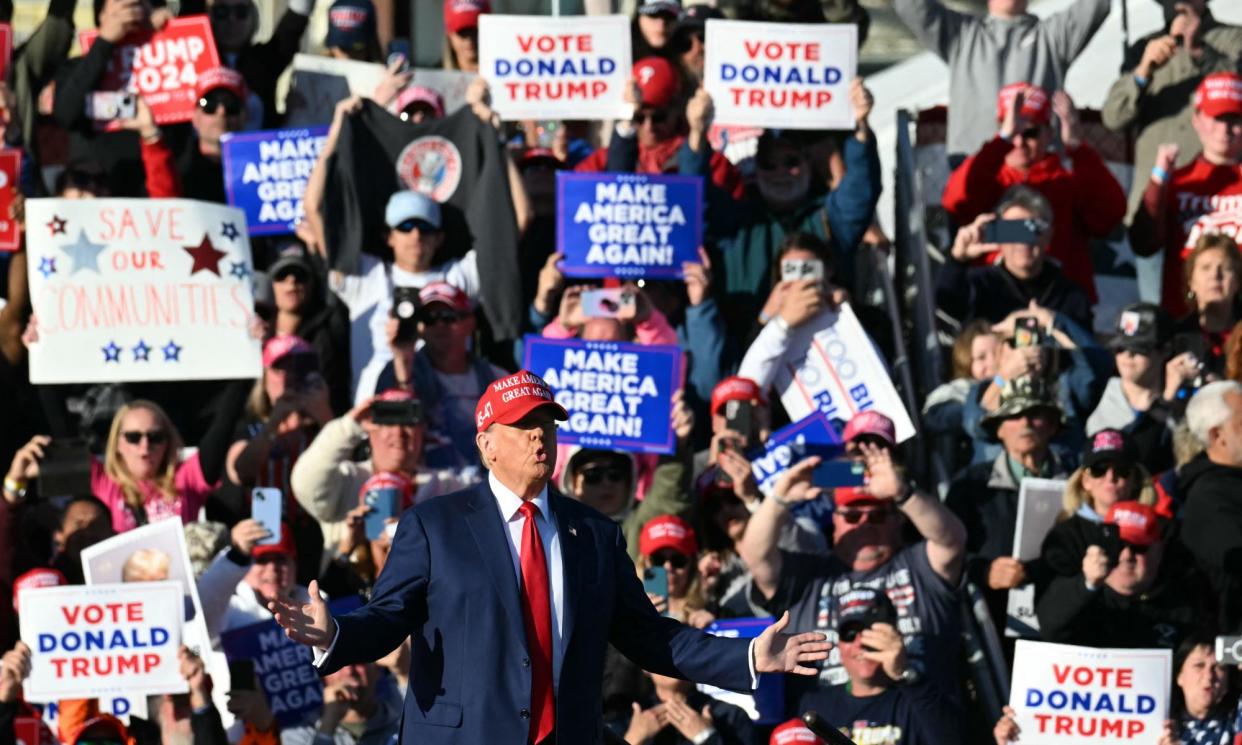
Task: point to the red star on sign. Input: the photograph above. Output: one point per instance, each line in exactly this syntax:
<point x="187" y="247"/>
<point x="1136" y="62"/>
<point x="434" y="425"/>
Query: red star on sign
<point x="57" y="225"/>
<point x="206" y="257"/>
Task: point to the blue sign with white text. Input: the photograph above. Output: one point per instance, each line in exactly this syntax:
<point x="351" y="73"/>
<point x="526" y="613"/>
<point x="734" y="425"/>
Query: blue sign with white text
<point x="768" y="699"/>
<point x="265" y="174"/>
<point x="628" y="224"/>
<point x="812" y="435"/>
<point x="619" y="396"/>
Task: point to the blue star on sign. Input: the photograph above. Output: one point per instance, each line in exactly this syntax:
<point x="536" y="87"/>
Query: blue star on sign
<point x="239" y="269"/>
<point x="229" y="230"/>
<point x="47" y="266"/>
<point x="84" y="254"/>
<point x="142" y="353"/>
<point x="172" y="352"/>
<point x="112" y="353"/>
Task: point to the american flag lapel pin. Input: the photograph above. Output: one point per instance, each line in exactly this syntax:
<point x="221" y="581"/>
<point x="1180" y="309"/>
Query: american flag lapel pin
<point x="573" y="531"/>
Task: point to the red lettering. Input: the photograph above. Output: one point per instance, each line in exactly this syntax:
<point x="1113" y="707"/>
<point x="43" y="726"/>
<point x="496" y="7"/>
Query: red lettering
<point x="1133" y="727"/>
<point x="1042" y="720"/>
<point x="597" y="88"/>
<point x="71" y="614"/>
<point x="1060" y="673"/>
<point x="1103" y="676"/>
<point x="59" y="664"/>
<point x="775" y="50"/>
<point x="1063" y="726"/>
<point x="133" y="612"/>
<point x="1125" y="677"/>
<point x="155" y="260"/>
<point x="149" y="661"/>
<point x="1110" y="727"/>
<point x="548" y="43"/>
<point x="174" y="225"/>
<point x="79" y="666"/>
<point x="127" y="664"/>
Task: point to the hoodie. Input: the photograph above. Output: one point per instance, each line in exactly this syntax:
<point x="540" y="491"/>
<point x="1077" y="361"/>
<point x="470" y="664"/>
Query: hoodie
<point x="1212" y="531"/>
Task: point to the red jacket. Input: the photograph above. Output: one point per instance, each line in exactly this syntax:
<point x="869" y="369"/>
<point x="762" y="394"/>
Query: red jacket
<point x="1086" y="202"/>
<point x="161" y="172"/>
<point x="662" y="158"/>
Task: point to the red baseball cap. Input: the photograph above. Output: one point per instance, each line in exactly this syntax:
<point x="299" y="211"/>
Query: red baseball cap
<point x="443" y="292"/>
<point x="657" y="81"/>
<point x="283" y="547"/>
<point x="279" y="347"/>
<point x="509" y="399"/>
<point x="421" y="94"/>
<point x="793" y="731"/>
<point x="544" y="154"/>
<point x="871" y="422"/>
<point x="113" y="725"/>
<point x="845" y="496"/>
<point x="668" y="531"/>
<point x="1137" y="523"/>
<point x="1036" y="105"/>
<point x="221" y="77"/>
<point x="1219" y="94"/>
<point x="42" y="577"/>
<point x="735" y="388"/>
<point x="463" y="14"/>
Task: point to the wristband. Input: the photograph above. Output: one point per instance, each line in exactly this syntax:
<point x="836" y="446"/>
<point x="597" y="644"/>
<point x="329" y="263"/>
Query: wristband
<point x="704" y="736"/>
<point x="1159" y="174"/>
<point x="998" y="381"/>
<point x="15" y="487"/>
<point x="905" y="495"/>
<point x="764" y="318"/>
<point x="1140" y="81"/>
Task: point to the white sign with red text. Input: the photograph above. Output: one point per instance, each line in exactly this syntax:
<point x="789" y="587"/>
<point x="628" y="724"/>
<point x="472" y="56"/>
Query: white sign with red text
<point x="139" y="289"/>
<point x="781" y="75"/>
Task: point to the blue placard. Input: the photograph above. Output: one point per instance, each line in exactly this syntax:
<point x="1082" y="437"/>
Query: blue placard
<point x="282" y="666"/>
<point x="769" y="696"/>
<point x="265" y="174"/>
<point x="813" y="435"/>
<point x="628" y="224"/>
<point x="619" y="396"/>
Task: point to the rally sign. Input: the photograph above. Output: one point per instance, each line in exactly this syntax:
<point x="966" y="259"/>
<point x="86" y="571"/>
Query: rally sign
<point x="618" y="395"/>
<point x="10" y="175"/>
<point x="139" y="289"/>
<point x="265" y="174"/>
<point x="842" y="375"/>
<point x="1067" y="694"/>
<point x="783" y="75"/>
<point x="1039" y="503"/>
<point x="575" y="67"/>
<point x="628" y="224"/>
<point x="162" y="66"/>
<point x="764" y="705"/>
<point x="87" y="641"/>
<point x="813" y="435"/>
<point x="319" y="83"/>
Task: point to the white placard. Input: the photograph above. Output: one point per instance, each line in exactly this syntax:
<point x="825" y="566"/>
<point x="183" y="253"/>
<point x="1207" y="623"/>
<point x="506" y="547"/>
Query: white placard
<point x="1039" y="503"/>
<point x="573" y="67"/>
<point x="1086" y="696"/>
<point x="781" y="75"/>
<point x="140" y="289"/>
<point x="320" y="83"/>
<point x="842" y="375"/>
<point x="93" y="641"/>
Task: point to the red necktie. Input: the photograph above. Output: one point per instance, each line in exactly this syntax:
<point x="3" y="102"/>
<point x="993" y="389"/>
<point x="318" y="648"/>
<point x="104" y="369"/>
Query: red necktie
<point x="537" y="616"/>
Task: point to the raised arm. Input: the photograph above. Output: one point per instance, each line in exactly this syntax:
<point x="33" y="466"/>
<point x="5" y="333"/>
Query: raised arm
<point x="759" y="546"/>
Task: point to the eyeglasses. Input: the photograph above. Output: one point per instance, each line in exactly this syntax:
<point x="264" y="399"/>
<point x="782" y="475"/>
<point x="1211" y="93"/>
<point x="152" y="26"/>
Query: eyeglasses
<point x="211" y="103"/>
<point x="405" y="226"/>
<point x="222" y="12"/>
<point x="432" y="317"/>
<point x="656" y="116"/>
<point x="1120" y="470"/>
<point x="869" y="517"/>
<point x="155" y="436"/>
<point x="593" y="476"/>
<point x="787" y="163"/>
<point x="674" y="559"/>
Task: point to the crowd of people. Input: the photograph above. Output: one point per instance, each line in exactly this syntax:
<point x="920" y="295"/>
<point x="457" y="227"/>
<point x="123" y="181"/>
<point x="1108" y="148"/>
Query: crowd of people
<point x="1143" y="424"/>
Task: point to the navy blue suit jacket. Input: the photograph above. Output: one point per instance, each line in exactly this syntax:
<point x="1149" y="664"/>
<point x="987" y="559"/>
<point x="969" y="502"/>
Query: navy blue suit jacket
<point x="449" y="583"/>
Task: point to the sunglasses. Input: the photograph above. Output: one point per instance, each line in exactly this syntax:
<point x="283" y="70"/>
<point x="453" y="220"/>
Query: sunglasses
<point x="1031" y="133"/>
<point x="593" y="476"/>
<point x="671" y="558"/>
<point x="1135" y="548"/>
<point x="432" y="317"/>
<point x="1119" y="470"/>
<point x="869" y="517"/>
<point x="297" y="274"/>
<point x="211" y="103"/>
<point x="656" y="116"/>
<point x="850" y="633"/>
<point x="155" y="437"/>
<point x="222" y="12"/>
<point x="788" y="163"/>
<point x="406" y="226"/>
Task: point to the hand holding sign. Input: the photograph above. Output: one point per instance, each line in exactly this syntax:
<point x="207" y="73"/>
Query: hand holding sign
<point x="310" y="624"/>
<point x="119" y="17"/>
<point x="1006" y="729"/>
<point x="14" y="668"/>
<point x="1006" y="573"/>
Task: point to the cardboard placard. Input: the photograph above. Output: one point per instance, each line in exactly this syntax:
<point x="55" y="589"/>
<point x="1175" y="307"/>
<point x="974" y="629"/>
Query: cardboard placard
<point x="1039" y="503"/>
<point x="10" y="176"/>
<point x="319" y="83"/>
<point x="813" y="435"/>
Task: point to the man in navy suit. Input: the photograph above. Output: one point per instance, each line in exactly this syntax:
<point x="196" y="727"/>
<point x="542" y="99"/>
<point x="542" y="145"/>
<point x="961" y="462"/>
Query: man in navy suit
<point x="511" y="593"/>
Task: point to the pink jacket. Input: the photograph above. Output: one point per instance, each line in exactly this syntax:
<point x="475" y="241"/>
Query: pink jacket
<point x="192" y="492"/>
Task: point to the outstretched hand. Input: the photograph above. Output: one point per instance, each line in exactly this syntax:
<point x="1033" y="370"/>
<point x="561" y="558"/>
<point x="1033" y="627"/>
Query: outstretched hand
<point x="777" y="652"/>
<point x="310" y="624"/>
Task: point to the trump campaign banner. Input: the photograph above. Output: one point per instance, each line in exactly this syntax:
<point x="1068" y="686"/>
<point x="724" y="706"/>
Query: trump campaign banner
<point x="1039" y="504"/>
<point x="618" y="395"/>
<point x="265" y="175"/>
<point x="10" y="175"/>
<point x="841" y="375"/>
<point x="813" y="435"/>
<point x="139" y="289"/>
<point x="88" y="641"/>
<point x="162" y="66"/>
<point x="628" y="224"/>
<point x="1087" y="695"/>
<point x="575" y="67"/>
<point x="781" y="75"/>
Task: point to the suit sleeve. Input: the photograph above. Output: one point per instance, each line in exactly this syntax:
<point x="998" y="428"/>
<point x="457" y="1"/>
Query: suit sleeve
<point x="664" y="646"/>
<point x="399" y="595"/>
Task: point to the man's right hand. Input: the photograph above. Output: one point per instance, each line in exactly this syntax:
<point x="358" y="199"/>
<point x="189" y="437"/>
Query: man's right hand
<point x="14" y="668"/>
<point x="1157" y="52"/>
<point x="795" y="484"/>
<point x="310" y="624"/>
<point x="968" y="245"/>
<point x="805" y="299"/>
<point x="1006" y="573"/>
<point x="645" y="725"/>
<point x="1094" y="566"/>
<point x="119" y="17"/>
<point x="247" y="534"/>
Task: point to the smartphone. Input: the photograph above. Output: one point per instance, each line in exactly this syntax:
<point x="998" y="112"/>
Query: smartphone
<point x="400" y="59"/>
<point x="655" y="581"/>
<point x="65" y="469"/>
<point x="823" y="730"/>
<point x="241" y="675"/>
<point x="1229" y="650"/>
<point x="1110" y="541"/>
<point x="397" y="413"/>
<point x="836" y="472"/>
<point x="405" y="310"/>
<point x="607" y="302"/>
<point x="739" y="418"/>
<point x="1027" y="332"/>
<point x="383" y="503"/>
<point x="1027" y="232"/>
<point x="266" y="504"/>
<point x="107" y="106"/>
<point x="794" y="269"/>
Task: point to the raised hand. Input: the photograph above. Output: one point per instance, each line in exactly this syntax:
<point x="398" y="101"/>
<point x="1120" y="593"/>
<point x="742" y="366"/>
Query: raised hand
<point x="14" y="668"/>
<point x="698" y="278"/>
<point x="883" y="480"/>
<point x="882" y="644"/>
<point x="247" y="534"/>
<point x="1094" y="566"/>
<point x="777" y="652"/>
<point x="310" y="624"/>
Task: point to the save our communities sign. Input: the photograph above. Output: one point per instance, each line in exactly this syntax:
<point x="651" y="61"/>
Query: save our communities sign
<point x="538" y="67"/>
<point x="783" y="75"/>
<point x="627" y="224"/>
<point x="265" y="174"/>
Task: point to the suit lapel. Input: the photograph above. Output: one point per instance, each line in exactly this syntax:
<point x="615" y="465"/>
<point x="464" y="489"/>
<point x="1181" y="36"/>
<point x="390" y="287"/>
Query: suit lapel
<point x="488" y="529"/>
<point x="573" y="552"/>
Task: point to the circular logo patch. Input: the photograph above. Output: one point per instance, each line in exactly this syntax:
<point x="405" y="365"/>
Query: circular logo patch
<point x="431" y="165"/>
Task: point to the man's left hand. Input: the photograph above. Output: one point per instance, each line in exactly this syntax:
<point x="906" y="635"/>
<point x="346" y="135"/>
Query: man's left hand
<point x="776" y="652"/>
